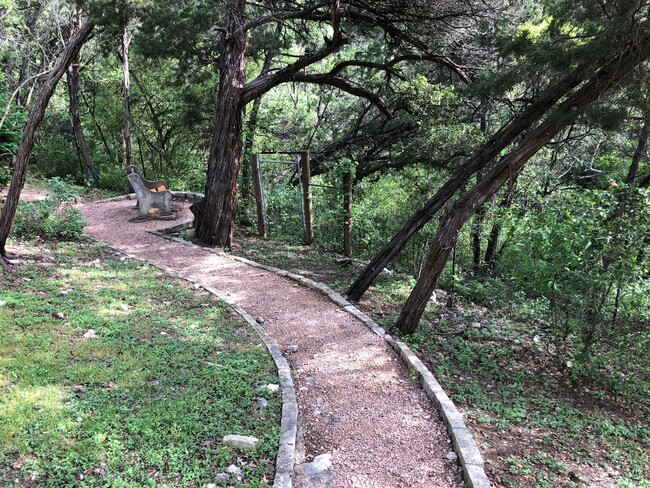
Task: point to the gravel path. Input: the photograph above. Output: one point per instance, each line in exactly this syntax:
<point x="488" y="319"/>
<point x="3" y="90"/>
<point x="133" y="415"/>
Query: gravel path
<point x="355" y="397"/>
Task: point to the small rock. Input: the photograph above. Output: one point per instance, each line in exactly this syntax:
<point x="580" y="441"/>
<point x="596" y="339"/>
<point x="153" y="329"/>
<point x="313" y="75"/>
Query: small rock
<point x="58" y="315"/>
<point x="263" y="402"/>
<point x="343" y="261"/>
<point x="2" y="303"/>
<point x="90" y="334"/>
<point x="272" y="388"/>
<point x="537" y="339"/>
<point x="240" y="441"/>
<point x="315" y="413"/>
<point x="259" y="320"/>
<point x="451" y="456"/>
<point x="163" y="333"/>
<point x="291" y="349"/>
<point x="210" y="485"/>
<point x="477" y="325"/>
<point x="78" y="389"/>
<point x="124" y="308"/>
<point x="221" y="479"/>
<point x="317" y="474"/>
<point x="233" y="470"/>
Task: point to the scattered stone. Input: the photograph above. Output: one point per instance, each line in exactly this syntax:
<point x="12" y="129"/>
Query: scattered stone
<point x="221" y="479"/>
<point x="259" y="320"/>
<point x="273" y="388"/>
<point x="537" y="339"/>
<point x="90" y="334"/>
<point x="240" y="441"/>
<point x="477" y="325"/>
<point x="317" y="474"/>
<point x="124" y="308"/>
<point x="58" y="315"/>
<point x="163" y="333"/>
<point x="451" y="456"/>
<point x="291" y="349"/>
<point x="263" y="402"/>
<point x="315" y="413"/>
<point x="233" y="470"/>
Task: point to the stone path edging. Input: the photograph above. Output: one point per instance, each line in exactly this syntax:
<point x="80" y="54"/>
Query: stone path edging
<point x="289" y="422"/>
<point x="463" y="443"/>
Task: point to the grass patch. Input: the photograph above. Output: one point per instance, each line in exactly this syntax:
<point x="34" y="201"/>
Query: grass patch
<point x="145" y="402"/>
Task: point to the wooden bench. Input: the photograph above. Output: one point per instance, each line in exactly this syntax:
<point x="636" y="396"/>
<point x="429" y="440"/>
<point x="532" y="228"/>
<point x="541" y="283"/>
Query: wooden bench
<point x="150" y="198"/>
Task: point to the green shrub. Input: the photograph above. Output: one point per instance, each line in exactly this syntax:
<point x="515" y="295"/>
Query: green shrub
<point x="51" y="218"/>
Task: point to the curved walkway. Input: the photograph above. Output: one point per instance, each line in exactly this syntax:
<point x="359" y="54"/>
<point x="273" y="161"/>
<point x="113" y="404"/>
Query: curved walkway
<point x="355" y="396"/>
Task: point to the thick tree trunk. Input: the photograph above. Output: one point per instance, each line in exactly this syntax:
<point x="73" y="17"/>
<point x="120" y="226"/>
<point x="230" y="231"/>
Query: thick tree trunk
<point x="73" y="92"/>
<point x="479" y="160"/>
<point x="215" y="228"/>
<point x="35" y="118"/>
<point x="127" y="143"/>
<point x="508" y="168"/>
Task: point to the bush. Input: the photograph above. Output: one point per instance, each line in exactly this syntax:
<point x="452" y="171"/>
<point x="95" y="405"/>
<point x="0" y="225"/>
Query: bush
<point x="51" y="218"/>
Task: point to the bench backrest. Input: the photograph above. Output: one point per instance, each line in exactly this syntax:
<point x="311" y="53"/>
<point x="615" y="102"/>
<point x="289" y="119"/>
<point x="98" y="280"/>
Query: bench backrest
<point x="157" y="185"/>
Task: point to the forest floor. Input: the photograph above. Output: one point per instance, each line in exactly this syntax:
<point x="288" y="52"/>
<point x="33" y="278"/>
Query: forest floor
<point x="535" y="424"/>
<point x="357" y="400"/>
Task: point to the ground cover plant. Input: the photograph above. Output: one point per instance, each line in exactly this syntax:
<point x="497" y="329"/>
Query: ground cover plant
<point x="112" y="374"/>
<point x="538" y="421"/>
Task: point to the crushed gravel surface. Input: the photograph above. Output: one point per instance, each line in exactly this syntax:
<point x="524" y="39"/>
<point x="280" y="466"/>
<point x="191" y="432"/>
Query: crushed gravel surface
<point x="356" y="399"/>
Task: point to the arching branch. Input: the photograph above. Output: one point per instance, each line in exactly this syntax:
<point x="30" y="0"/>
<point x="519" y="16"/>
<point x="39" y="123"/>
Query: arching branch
<point x="344" y="85"/>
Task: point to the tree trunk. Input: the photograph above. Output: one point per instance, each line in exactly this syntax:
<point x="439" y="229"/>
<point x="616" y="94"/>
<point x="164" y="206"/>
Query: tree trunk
<point x="479" y="160"/>
<point x="508" y="168"/>
<point x="90" y="174"/>
<point x="35" y="118"/>
<point x="127" y="140"/>
<point x="252" y="125"/>
<point x="640" y="151"/>
<point x="215" y="228"/>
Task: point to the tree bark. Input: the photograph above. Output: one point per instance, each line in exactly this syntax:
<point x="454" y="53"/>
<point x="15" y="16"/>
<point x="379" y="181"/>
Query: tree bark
<point x="479" y="160"/>
<point x="33" y="122"/>
<point x="453" y="220"/>
<point x="226" y="149"/>
<point x="73" y="92"/>
<point x="127" y="143"/>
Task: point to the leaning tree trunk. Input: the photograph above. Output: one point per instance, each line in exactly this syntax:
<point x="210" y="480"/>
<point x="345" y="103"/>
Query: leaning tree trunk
<point x="90" y="174"/>
<point x="479" y="160"/>
<point x="508" y="168"/>
<point x="215" y="227"/>
<point x="35" y="118"/>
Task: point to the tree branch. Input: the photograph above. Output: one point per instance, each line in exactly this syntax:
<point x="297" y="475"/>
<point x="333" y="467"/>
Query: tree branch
<point x="344" y="85"/>
<point x="264" y="83"/>
<point x="444" y="60"/>
<point x="309" y="13"/>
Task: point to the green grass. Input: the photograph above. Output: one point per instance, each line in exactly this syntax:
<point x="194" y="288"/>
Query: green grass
<point x="145" y="403"/>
